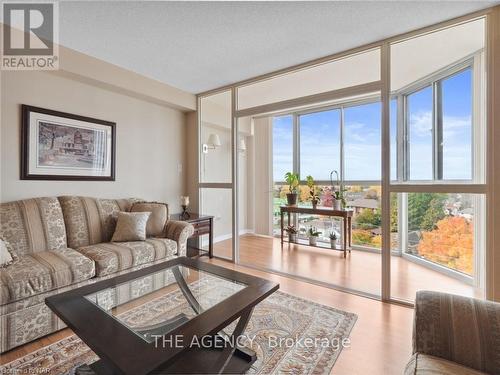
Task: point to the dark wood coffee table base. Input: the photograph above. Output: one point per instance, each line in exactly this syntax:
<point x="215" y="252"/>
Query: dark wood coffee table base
<point x="200" y="361"/>
<point x="190" y="363"/>
<point x="124" y="351"/>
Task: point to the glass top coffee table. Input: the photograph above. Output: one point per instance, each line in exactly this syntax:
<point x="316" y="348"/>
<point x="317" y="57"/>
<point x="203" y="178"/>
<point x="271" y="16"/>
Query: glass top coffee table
<point x="172" y="317"/>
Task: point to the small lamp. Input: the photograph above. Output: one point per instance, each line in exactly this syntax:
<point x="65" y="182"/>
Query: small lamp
<point x="212" y="143"/>
<point x="184" y="205"/>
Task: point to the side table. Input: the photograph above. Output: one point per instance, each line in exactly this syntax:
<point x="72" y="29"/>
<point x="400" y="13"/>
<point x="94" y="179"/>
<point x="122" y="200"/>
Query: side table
<point x="203" y="224"/>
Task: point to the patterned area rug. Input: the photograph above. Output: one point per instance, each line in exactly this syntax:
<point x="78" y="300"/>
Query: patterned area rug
<point x="290" y="335"/>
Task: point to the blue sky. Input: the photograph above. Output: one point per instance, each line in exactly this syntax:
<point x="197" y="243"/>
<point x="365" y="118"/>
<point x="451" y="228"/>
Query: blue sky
<point x="457" y="104"/>
<point x="320" y="137"/>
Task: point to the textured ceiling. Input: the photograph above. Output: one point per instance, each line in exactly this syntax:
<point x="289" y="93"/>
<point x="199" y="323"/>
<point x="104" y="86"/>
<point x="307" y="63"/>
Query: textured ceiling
<point x="197" y="46"/>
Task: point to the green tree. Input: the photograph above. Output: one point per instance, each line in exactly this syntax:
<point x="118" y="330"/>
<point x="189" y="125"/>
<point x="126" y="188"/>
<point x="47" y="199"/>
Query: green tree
<point x="419" y="205"/>
<point x="368" y="219"/>
<point x="394" y="213"/>
<point x="433" y="215"/>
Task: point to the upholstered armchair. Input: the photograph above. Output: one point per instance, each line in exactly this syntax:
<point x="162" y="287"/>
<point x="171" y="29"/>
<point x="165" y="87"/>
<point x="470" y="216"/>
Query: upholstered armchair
<point x="455" y="335"/>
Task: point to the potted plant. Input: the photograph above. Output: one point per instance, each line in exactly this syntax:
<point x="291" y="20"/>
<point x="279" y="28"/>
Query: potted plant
<point x="313" y="235"/>
<point x="292" y="180"/>
<point x="337" y="193"/>
<point x="333" y="240"/>
<point x="292" y="233"/>
<point x="313" y="191"/>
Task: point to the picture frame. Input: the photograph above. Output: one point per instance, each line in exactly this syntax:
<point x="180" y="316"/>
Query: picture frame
<point x="63" y="146"/>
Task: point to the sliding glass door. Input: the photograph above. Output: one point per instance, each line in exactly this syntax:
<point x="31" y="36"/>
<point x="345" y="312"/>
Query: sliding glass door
<point x="399" y="128"/>
<point x="215" y="170"/>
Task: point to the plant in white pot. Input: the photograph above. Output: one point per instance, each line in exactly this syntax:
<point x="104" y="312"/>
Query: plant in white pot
<point x="313" y="235"/>
<point x="292" y="233"/>
<point x="338" y="197"/>
<point x="333" y="240"/>
<point x="292" y="180"/>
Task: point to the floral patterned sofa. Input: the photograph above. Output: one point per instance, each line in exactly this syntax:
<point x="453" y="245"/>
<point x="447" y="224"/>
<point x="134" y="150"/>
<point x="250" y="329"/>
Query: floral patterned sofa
<point x="62" y="243"/>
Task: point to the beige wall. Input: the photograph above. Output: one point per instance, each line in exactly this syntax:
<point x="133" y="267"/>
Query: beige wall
<point x="263" y="195"/>
<point x="149" y="139"/>
<point x="192" y="160"/>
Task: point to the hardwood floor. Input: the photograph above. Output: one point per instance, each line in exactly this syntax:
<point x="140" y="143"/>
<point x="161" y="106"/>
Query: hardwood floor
<point x="360" y="271"/>
<point x="380" y="339"/>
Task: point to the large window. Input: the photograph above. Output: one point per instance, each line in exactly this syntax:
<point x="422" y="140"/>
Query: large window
<point x="282" y="146"/>
<point x="319" y="134"/>
<point x="346" y="139"/>
<point x="419" y="145"/>
<point x="441" y="229"/>
<point x="456" y="98"/>
<point x="362" y="142"/>
<point x="437" y="131"/>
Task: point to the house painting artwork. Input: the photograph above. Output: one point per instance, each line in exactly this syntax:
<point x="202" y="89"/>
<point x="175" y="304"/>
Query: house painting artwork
<point x="62" y="146"/>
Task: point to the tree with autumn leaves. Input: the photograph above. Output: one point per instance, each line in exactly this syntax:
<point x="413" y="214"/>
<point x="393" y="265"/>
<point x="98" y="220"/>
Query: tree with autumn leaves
<point x="450" y="243"/>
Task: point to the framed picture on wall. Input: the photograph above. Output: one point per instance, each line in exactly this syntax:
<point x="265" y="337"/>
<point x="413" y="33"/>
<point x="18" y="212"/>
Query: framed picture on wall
<point x="62" y="146"/>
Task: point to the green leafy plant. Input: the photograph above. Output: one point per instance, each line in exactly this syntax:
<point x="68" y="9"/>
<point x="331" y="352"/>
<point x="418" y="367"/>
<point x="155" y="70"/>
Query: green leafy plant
<point x="291" y="229"/>
<point x="333" y="236"/>
<point x="313" y="189"/>
<point x="292" y="180"/>
<point x="313" y="232"/>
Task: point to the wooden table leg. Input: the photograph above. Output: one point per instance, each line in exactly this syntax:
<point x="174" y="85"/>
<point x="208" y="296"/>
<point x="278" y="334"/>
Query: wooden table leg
<point x="282" y="226"/>
<point x="349" y="230"/>
<point x="344" y="237"/>
<point x="211" y="239"/>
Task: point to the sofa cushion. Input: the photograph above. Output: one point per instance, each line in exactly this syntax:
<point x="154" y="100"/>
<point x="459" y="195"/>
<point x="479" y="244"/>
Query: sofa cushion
<point x="111" y="257"/>
<point x="131" y="226"/>
<point x="158" y="218"/>
<point x="33" y="225"/>
<point x="91" y="221"/>
<point x="423" y="364"/>
<point x="6" y="255"/>
<point x="43" y="271"/>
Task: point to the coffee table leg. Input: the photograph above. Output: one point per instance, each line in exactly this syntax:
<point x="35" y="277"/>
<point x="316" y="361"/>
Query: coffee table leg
<point x="229" y="349"/>
<point x="186" y="291"/>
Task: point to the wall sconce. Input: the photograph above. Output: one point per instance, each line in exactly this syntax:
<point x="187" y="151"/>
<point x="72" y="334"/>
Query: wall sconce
<point x="242" y="147"/>
<point x="212" y="143"/>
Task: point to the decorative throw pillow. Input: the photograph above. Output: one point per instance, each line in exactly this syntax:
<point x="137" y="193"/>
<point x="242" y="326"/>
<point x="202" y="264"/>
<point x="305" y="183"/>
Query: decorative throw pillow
<point x="157" y="220"/>
<point x="131" y="226"/>
<point x="6" y="256"/>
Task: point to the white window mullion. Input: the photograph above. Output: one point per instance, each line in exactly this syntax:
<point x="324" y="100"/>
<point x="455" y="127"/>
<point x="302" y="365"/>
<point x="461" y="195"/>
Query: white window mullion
<point x="437" y="131"/>
<point x="400" y="140"/>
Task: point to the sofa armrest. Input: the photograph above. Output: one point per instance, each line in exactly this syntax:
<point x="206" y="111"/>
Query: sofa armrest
<point x="459" y="329"/>
<point x="179" y="231"/>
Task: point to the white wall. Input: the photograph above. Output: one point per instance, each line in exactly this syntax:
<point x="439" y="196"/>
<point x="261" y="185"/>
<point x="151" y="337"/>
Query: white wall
<point x="149" y="139"/>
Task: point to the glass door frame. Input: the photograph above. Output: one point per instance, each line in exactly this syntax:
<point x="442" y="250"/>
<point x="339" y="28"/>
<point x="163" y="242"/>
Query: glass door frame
<point x="219" y="185"/>
<point x="388" y="187"/>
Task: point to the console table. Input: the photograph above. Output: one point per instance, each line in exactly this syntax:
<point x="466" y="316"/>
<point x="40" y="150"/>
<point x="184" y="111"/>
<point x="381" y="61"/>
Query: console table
<point x="346" y="216"/>
<point x="203" y="224"/>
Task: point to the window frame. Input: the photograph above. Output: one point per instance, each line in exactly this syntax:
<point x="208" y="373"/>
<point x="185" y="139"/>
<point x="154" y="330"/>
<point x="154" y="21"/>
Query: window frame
<point x="371" y="99"/>
<point x="403" y="150"/>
